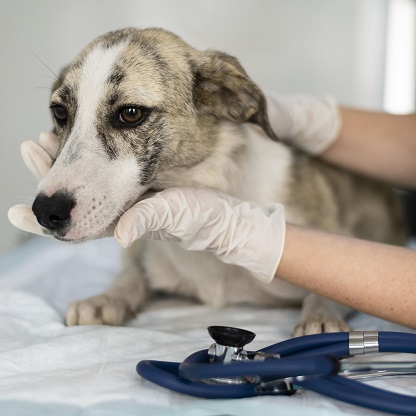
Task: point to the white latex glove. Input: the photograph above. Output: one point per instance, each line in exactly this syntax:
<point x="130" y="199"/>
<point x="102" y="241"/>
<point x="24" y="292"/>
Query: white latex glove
<point x="38" y="157"/>
<point x="309" y="123"/>
<point x="237" y="232"/>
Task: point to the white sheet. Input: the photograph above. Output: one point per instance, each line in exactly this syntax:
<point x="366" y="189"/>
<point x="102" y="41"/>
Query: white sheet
<point x="48" y="368"/>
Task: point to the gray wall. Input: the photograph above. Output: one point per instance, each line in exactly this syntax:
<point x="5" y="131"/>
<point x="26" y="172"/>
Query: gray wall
<point x="288" y="46"/>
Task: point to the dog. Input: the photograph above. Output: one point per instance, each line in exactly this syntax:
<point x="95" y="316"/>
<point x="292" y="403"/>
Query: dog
<point x="138" y="111"/>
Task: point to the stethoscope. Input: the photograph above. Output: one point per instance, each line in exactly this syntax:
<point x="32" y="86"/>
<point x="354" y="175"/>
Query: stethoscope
<point x="316" y="362"/>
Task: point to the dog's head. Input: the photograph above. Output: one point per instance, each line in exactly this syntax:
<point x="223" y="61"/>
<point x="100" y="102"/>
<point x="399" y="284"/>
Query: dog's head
<point x="135" y="103"/>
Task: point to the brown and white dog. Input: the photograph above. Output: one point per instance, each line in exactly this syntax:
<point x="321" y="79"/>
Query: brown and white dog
<point x="140" y="110"/>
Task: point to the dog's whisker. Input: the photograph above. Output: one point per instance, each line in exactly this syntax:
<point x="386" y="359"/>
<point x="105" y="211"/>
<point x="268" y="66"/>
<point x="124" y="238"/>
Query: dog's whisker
<point x="26" y="189"/>
<point x="27" y="196"/>
<point x="157" y="185"/>
<point x="120" y="214"/>
<point x="40" y="88"/>
<point x="46" y="66"/>
<point x="49" y="76"/>
<point x="23" y="198"/>
<point x="104" y="233"/>
<point x="32" y="178"/>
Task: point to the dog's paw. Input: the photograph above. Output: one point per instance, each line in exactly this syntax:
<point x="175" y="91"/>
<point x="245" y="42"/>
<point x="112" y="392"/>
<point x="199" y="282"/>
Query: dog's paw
<point x="320" y="325"/>
<point x="98" y="310"/>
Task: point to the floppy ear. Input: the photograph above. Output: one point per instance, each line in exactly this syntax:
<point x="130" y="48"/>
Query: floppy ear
<point x="223" y="89"/>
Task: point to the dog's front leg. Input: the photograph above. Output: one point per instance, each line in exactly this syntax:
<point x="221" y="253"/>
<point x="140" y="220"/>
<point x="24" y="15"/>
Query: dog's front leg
<point x="119" y="302"/>
<point x="321" y="315"/>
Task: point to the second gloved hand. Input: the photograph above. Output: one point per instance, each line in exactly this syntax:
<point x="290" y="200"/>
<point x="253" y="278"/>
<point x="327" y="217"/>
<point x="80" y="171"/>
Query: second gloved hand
<point x="237" y="232"/>
<point x="309" y="123"/>
<point x="38" y="157"/>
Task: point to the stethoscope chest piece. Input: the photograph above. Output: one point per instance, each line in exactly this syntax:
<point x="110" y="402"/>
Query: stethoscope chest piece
<point x="228" y="348"/>
<point x="314" y="362"/>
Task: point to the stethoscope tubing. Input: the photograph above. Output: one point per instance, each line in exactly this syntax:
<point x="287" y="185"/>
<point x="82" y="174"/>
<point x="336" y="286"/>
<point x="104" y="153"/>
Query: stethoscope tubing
<point x="166" y="374"/>
<point x="359" y="394"/>
<point x="336" y="344"/>
<point x="194" y="367"/>
<point x="309" y="345"/>
<point x="397" y="342"/>
<point x="300" y="355"/>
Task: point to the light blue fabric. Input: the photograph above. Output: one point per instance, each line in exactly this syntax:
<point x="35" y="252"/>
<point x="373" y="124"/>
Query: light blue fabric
<point x="202" y="408"/>
<point x="47" y="368"/>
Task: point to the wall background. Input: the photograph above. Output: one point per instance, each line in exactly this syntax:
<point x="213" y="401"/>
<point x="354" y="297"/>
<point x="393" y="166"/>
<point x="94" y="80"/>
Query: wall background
<point x="332" y="47"/>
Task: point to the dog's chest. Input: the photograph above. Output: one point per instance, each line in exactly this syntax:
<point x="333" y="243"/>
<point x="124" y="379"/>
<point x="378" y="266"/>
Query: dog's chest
<point x="265" y="170"/>
<point x="263" y="177"/>
<point x="200" y="275"/>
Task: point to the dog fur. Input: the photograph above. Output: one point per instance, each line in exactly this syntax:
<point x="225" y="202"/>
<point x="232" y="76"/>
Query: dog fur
<point x="204" y="124"/>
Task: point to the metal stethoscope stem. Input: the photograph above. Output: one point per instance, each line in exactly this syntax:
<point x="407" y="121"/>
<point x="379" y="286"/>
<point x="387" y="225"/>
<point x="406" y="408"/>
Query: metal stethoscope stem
<point x="314" y="362"/>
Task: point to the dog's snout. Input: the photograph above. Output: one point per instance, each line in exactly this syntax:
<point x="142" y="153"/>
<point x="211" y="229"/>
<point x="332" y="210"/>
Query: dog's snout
<point x="53" y="212"/>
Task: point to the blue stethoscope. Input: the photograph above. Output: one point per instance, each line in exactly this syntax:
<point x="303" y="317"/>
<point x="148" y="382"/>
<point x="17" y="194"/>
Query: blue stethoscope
<point x="314" y="362"/>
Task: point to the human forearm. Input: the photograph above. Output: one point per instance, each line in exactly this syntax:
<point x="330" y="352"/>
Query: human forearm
<point x="375" y="144"/>
<point x="374" y="278"/>
<point x="378" y="145"/>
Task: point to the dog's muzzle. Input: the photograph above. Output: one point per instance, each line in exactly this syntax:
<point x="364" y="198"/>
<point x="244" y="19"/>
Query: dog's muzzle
<point x="54" y="212"/>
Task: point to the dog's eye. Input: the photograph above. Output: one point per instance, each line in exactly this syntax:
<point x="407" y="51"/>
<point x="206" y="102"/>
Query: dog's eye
<point x="131" y="115"/>
<point x="60" y="113"/>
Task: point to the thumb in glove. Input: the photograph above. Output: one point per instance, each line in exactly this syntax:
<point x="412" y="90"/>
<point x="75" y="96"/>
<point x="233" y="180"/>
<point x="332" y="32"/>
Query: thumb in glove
<point x="38" y="157"/>
<point x="237" y="232"/>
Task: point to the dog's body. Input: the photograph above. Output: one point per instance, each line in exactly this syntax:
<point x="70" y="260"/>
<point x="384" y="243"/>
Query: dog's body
<point x="193" y="119"/>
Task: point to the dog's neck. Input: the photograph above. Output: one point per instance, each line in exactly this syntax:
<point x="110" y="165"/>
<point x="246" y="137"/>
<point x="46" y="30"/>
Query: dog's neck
<point x="237" y="165"/>
<point x="220" y="170"/>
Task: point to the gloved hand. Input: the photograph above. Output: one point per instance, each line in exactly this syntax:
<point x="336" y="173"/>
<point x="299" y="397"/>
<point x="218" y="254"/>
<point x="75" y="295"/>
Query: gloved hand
<point x="309" y="123"/>
<point x="237" y="232"/>
<point x="38" y="157"/>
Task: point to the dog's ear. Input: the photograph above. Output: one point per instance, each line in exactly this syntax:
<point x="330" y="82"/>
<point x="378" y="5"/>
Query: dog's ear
<point x="222" y="88"/>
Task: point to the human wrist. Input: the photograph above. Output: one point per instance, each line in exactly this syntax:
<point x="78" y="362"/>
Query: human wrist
<point x="261" y="249"/>
<point x="271" y="256"/>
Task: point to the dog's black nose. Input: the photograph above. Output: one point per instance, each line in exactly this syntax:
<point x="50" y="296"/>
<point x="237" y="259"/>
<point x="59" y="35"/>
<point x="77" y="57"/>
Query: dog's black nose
<point x="53" y="212"/>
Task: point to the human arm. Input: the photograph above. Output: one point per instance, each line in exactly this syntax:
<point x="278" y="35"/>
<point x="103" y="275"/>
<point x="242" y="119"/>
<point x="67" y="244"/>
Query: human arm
<point x="238" y="232"/>
<point x="370" y="277"/>
<point x="379" y="145"/>
<point x="374" y="278"/>
<point x="376" y="144"/>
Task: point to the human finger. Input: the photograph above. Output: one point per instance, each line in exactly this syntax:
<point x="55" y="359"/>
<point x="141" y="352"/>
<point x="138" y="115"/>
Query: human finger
<point x="22" y="217"/>
<point x="36" y="158"/>
<point x="50" y="142"/>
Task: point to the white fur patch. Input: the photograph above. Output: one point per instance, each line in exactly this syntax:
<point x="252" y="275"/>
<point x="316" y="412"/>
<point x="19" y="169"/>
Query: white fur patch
<point x="95" y="71"/>
<point x="102" y="189"/>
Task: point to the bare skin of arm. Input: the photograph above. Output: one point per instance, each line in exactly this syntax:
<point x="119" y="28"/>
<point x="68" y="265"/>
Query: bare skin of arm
<point x="370" y="277"/>
<point x="374" y="278"/>
<point x="379" y="145"/>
